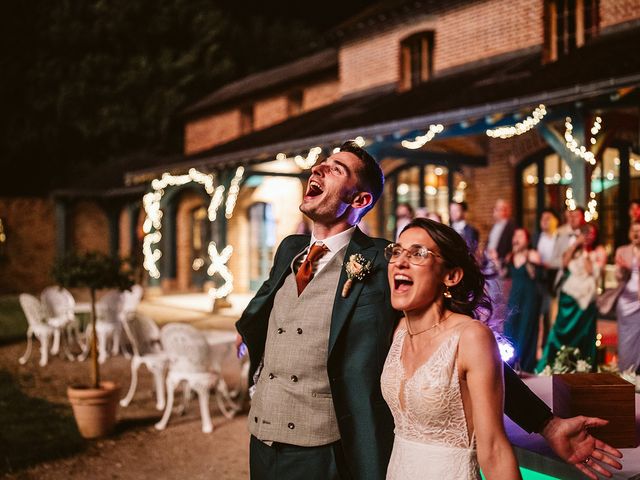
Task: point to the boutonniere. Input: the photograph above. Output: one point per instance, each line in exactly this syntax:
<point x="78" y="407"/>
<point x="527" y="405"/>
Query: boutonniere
<point x="357" y="268"/>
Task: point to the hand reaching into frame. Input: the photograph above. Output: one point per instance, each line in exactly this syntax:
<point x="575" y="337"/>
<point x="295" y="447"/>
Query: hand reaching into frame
<point x="571" y="441"/>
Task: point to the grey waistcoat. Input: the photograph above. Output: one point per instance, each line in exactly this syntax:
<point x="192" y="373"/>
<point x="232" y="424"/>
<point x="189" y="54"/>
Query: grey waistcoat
<point x="292" y="403"/>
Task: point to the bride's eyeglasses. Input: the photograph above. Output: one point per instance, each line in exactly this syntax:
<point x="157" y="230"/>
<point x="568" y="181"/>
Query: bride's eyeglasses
<point x="416" y="254"/>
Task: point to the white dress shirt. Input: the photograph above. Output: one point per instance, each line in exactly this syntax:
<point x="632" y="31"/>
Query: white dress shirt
<point x="334" y="243"/>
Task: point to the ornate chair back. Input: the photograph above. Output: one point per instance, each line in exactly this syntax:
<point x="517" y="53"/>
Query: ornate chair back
<point x="58" y="302"/>
<point x="186" y="347"/>
<point x="109" y="306"/>
<point x="143" y="333"/>
<point x="33" y="310"/>
<point x="130" y="299"/>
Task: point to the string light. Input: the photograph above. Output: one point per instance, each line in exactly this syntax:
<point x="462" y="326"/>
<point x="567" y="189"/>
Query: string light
<point x="569" y="200"/>
<point x="153" y="223"/>
<point x="422" y="140"/>
<point x="218" y="265"/>
<point x="592" y="212"/>
<point x="520" y="127"/>
<point x="234" y="189"/>
<point x="580" y="150"/>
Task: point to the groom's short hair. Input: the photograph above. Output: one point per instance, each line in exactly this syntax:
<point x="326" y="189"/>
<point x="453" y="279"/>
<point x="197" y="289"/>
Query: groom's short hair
<point x="370" y="176"/>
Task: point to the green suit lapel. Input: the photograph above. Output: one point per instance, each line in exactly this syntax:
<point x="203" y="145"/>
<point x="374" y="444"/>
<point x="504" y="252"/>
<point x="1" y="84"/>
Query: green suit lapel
<point x="342" y="307"/>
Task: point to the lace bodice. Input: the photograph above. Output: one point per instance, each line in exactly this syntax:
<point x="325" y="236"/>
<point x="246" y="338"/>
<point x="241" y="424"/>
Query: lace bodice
<point x="427" y="407"/>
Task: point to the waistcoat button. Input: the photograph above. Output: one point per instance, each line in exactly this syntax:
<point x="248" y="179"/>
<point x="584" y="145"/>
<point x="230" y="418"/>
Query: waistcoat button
<point x="294" y="378"/>
<point x="299" y="331"/>
<point x="291" y="426"/>
<point x="271" y="376"/>
<point x="280" y="331"/>
<point x="255" y="419"/>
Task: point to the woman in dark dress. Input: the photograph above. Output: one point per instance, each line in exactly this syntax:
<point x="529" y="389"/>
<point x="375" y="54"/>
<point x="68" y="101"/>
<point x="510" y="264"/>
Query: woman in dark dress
<point x="523" y="309"/>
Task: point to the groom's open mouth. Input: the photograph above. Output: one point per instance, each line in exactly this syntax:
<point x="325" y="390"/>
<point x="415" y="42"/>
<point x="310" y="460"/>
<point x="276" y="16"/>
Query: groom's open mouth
<point x="401" y="283"/>
<point x="313" y="189"/>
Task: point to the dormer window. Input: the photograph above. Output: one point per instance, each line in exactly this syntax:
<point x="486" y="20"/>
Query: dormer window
<point x="416" y="60"/>
<point x="569" y="24"/>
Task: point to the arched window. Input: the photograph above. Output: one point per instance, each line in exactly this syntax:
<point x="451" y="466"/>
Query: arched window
<point x="416" y="59"/>
<point x="262" y="239"/>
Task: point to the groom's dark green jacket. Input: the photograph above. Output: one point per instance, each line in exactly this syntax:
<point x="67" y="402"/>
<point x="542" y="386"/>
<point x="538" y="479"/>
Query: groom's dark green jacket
<point x="361" y="332"/>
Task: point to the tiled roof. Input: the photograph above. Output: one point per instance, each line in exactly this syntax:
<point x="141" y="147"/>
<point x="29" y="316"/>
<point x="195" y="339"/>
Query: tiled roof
<point x="325" y="60"/>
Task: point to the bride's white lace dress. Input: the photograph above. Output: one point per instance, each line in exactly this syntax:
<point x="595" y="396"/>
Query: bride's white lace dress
<point x="431" y="435"/>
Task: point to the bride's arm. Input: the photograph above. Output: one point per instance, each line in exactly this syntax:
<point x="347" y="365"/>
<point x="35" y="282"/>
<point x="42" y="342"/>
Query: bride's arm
<point x="481" y="366"/>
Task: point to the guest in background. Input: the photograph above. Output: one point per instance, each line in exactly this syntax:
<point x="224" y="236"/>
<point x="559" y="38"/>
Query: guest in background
<point x="498" y="247"/>
<point x="550" y="260"/>
<point x="521" y="326"/>
<point x="628" y="305"/>
<point x="575" y="324"/>
<point x="421" y="212"/>
<point x="404" y="214"/>
<point x="434" y="216"/>
<point x="457" y="217"/>
<point x="634" y="210"/>
<point x="566" y="237"/>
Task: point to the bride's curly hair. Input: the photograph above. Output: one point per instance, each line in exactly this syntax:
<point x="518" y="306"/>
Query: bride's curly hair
<point x="468" y="297"/>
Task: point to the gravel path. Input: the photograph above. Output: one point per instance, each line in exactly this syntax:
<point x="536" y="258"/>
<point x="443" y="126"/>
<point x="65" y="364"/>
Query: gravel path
<point x="136" y="450"/>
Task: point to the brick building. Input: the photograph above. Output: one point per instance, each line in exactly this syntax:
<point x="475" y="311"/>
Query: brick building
<point x="424" y="85"/>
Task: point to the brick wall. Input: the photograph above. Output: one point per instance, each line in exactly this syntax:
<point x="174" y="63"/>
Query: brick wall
<point x="613" y="12"/>
<point x="270" y="111"/>
<point x="30" y="247"/>
<point x="211" y="130"/>
<point x="463" y="34"/>
<point x="321" y="94"/>
<point x="124" y="247"/>
<point x="89" y="227"/>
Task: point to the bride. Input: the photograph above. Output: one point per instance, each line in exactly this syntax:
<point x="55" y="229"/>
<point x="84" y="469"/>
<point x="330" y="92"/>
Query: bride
<point x="443" y="375"/>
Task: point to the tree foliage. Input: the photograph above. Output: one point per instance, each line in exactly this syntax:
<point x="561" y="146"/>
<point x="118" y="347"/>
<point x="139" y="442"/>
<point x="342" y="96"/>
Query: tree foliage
<point x="86" y="82"/>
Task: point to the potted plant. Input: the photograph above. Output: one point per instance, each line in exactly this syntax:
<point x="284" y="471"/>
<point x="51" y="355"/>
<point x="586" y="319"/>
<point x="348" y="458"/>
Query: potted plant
<point x="94" y="405"/>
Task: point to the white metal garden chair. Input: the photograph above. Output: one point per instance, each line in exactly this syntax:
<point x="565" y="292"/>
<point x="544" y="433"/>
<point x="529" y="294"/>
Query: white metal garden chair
<point x="144" y="336"/>
<point x="190" y="362"/>
<point x="108" y="324"/>
<point x="38" y="328"/>
<point x="60" y="308"/>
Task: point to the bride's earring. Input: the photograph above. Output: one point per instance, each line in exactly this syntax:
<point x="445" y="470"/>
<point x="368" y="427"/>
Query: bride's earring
<point x="447" y="293"/>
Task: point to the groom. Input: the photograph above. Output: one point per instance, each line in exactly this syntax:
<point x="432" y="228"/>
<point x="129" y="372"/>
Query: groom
<point x="319" y="347"/>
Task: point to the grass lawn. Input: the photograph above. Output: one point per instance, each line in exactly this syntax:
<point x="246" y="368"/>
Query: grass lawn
<point x="13" y="324"/>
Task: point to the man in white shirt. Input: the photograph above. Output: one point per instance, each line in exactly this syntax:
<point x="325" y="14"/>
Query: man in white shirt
<point x="457" y="216"/>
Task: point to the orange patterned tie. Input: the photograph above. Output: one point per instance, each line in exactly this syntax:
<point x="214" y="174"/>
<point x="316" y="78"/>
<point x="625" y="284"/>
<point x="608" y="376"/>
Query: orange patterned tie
<point x="305" y="272"/>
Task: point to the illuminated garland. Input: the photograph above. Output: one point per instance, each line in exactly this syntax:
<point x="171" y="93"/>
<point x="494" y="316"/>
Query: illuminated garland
<point x="580" y="150"/>
<point x="308" y="161"/>
<point x="218" y="265"/>
<point x="520" y="127"/>
<point x="422" y="140"/>
<point x="153" y="222"/>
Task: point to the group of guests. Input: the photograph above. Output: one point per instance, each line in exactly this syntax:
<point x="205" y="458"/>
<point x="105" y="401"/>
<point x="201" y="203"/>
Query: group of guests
<point x="554" y="280"/>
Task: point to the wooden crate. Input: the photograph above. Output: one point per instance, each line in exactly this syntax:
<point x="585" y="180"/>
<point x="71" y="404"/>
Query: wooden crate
<point x="602" y="395"/>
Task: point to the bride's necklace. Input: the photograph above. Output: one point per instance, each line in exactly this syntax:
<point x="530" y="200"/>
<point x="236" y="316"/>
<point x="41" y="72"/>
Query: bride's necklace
<point x="413" y="334"/>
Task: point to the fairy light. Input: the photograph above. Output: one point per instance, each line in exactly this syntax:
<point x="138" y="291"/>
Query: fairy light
<point x="580" y="150"/>
<point x="520" y="127"/>
<point x="422" y="140"/>
<point x="218" y="265"/>
<point x="305" y="163"/>
<point x="232" y="196"/>
<point x="153" y="223"/>
<point x="359" y="140"/>
<point x="569" y="200"/>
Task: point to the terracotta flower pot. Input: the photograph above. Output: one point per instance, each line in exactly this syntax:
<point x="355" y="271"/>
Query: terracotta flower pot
<point x="94" y="408"/>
